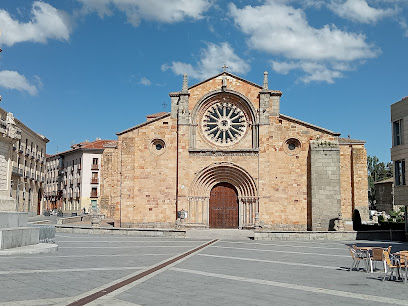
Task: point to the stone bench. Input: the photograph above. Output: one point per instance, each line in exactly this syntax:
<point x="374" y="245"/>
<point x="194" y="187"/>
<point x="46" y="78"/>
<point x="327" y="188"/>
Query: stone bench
<point x="18" y="237"/>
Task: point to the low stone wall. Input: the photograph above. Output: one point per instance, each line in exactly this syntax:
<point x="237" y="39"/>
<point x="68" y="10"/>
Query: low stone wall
<point x="18" y="237"/>
<point x="330" y="235"/>
<point x="13" y="219"/>
<point x="142" y="232"/>
<point x="47" y="232"/>
<point x="74" y="219"/>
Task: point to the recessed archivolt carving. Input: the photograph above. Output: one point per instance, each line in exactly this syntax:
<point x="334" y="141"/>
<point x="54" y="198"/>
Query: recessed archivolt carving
<point x="216" y="173"/>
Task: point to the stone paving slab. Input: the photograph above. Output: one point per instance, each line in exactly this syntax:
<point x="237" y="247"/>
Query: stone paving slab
<point x="229" y="272"/>
<point x="40" y="248"/>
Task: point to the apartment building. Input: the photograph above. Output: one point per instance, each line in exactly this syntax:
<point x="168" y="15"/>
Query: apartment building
<point x="28" y="169"/>
<point x="399" y="151"/>
<point x="73" y="177"/>
<point x="53" y="187"/>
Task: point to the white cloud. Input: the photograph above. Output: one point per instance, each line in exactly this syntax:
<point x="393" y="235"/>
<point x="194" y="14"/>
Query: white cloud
<point x="211" y="60"/>
<point x="14" y="80"/>
<point x="359" y="11"/>
<point x="167" y="11"/>
<point x="145" y="81"/>
<point x="404" y="27"/>
<point x="282" y="30"/>
<point x="47" y="23"/>
<point x="314" y="71"/>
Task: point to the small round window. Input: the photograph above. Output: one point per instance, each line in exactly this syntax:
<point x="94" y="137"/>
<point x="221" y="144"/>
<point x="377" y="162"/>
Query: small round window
<point x="292" y="146"/>
<point x="157" y="146"/>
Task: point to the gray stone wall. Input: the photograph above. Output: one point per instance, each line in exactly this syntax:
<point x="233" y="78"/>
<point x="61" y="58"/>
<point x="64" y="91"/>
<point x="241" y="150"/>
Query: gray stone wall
<point x="325" y="184"/>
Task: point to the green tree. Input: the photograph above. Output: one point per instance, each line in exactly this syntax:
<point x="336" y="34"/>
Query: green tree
<point x="377" y="171"/>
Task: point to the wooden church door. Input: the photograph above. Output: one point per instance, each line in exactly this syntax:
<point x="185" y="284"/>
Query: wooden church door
<point x="223" y="206"/>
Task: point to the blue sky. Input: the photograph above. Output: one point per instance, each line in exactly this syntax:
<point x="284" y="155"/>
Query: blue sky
<point x="79" y="69"/>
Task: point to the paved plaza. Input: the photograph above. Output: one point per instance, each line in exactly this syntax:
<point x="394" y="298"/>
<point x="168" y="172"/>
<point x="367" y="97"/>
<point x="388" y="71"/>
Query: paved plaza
<point x="231" y="271"/>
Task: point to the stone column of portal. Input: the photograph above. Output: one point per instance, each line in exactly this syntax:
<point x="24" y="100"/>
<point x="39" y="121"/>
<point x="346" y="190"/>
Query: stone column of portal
<point x="9" y="134"/>
<point x="257" y="223"/>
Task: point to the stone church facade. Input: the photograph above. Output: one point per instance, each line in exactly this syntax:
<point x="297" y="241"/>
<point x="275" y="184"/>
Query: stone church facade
<point x="227" y="158"/>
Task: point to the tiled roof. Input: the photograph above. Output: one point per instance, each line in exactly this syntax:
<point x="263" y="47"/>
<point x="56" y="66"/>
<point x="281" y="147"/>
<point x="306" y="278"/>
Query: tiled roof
<point x="86" y="145"/>
<point x="152" y="116"/>
<point x="308" y="124"/>
<point x="350" y="141"/>
<point x="143" y="124"/>
<point x="388" y="180"/>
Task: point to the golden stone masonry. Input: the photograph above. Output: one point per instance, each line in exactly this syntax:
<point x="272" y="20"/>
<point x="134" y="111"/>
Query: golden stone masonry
<point x="225" y="157"/>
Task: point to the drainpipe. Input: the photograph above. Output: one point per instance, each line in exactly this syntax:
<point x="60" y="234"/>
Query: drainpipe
<point x="120" y="187"/>
<point x="177" y="162"/>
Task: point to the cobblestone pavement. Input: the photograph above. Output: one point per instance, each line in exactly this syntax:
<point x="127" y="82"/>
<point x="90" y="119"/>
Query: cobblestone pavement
<point x="227" y="272"/>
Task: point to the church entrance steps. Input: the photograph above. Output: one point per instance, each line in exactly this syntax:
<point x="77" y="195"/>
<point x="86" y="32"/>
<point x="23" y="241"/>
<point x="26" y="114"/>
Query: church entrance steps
<point x="229" y="234"/>
<point x="395" y="235"/>
<point x="142" y="232"/>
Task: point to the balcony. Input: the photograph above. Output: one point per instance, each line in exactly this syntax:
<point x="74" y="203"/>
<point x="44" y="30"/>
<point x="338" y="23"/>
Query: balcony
<point x="21" y="149"/>
<point x="27" y="152"/>
<point x="16" y="171"/>
<point x="94" y="194"/>
<point x="3" y="126"/>
<point x="94" y="167"/>
<point x="94" y="181"/>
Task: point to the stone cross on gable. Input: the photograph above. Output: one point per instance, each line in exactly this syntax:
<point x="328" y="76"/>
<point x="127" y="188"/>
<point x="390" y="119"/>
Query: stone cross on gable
<point x="164" y="105"/>
<point x="224" y="67"/>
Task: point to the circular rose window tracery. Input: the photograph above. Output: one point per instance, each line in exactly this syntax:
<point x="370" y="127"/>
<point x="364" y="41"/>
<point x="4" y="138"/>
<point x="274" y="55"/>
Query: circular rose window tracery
<point x="224" y="123"/>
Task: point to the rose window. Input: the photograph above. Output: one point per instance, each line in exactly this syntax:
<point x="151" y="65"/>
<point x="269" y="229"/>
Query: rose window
<point x="224" y="123"/>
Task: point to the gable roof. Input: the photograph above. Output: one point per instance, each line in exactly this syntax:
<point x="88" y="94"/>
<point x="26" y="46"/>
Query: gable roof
<point x="100" y="144"/>
<point x="309" y="125"/>
<point x="143" y="124"/>
<point x="152" y="116"/>
<point x="229" y="74"/>
<point x="349" y="141"/>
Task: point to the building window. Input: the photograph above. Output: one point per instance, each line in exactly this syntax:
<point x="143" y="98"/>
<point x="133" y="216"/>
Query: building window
<point x="95" y="164"/>
<point x="399" y="172"/>
<point x="292" y="146"/>
<point x="397" y="132"/>
<point x="94" y="192"/>
<point x="94" y="179"/>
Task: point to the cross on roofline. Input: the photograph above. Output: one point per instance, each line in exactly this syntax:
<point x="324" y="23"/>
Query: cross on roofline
<point x="164" y="105"/>
<point x="224" y="67"/>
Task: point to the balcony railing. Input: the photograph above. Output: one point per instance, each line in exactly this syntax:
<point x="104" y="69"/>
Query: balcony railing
<point x="21" y="149"/>
<point x="94" y="181"/>
<point x="94" y="194"/>
<point x="27" y="152"/>
<point x="15" y="170"/>
<point x="94" y="167"/>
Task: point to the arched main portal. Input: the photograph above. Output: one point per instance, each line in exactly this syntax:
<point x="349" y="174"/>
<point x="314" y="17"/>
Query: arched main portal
<point x="221" y="174"/>
<point x="223" y="206"/>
